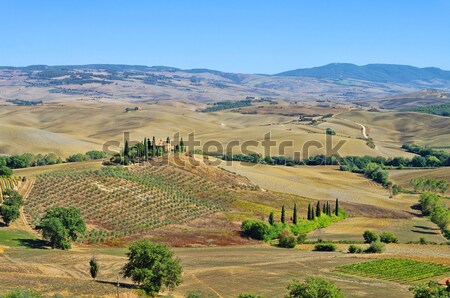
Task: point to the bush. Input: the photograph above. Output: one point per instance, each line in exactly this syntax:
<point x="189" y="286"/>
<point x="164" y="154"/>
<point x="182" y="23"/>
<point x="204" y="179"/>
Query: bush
<point x="96" y="154"/>
<point x="77" y="158"/>
<point x="430" y="290"/>
<point x="5" y="171"/>
<point x="387" y="237"/>
<point x="375" y="248"/>
<point x="287" y="239"/>
<point x="197" y="294"/>
<point x="325" y="247"/>
<point x="313" y="287"/>
<point x="330" y="131"/>
<point x="354" y="249"/>
<point x="301" y="238"/>
<point x="370" y="237"/>
<point x="255" y="229"/>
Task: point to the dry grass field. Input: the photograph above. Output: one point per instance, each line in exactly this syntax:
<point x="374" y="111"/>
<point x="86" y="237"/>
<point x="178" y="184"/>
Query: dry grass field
<point x="403" y="177"/>
<point x="63" y="128"/>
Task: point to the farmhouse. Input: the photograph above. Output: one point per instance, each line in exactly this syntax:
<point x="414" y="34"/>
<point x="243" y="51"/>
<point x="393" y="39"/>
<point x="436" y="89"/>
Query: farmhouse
<point x="166" y="147"/>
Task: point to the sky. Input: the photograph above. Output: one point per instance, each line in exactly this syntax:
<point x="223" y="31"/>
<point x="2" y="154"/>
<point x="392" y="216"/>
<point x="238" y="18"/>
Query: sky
<point x="230" y="35"/>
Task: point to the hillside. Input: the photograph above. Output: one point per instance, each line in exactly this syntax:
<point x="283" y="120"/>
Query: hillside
<point x="374" y="73"/>
<point x="406" y="101"/>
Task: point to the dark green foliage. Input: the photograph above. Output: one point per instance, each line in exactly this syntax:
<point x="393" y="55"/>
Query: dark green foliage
<point x="318" y="211"/>
<point x="10" y="209"/>
<point x="283" y="215"/>
<point x="5" y="171"/>
<point x="20" y="293"/>
<point x="271" y="218"/>
<point x="287" y="239"/>
<point x="325" y="247"/>
<point x="313" y="214"/>
<point x="313" y="287"/>
<point x="430" y="290"/>
<point x="354" y="249"/>
<point x="182" y="149"/>
<point x="249" y="296"/>
<point x="309" y="212"/>
<point x="387" y="237"/>
<point x="197" y="294"/>
<point x="294" y="215"/>
<point x="126" y="149"/>
<point x="255" y="229"/>
<point x="375" y="247"/>
<point x="440" y="110"/>
<point x="152" y="266"/>
<point x="336" y="207"/>
<point x="61" y="225"/>
<point x="370" y="236"/>
<point x="442" y="156"/>
<point x="429" y="202"/>
<point x="226" y="105"/>
<point x="330" y="131"/>
<point x="94" y="267"/>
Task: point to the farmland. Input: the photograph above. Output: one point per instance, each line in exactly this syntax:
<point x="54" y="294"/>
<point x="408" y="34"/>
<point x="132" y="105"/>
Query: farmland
<point x="8" y="183"/>
<point x="397" y="270"/>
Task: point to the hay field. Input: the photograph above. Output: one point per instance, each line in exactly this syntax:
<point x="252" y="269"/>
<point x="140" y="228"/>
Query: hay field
<point x="71" y="127"/>
<point x="396" y="128"/>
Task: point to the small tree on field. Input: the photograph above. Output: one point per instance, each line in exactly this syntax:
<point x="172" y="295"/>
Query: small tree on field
<point x="309" y="211"/>
<point x="152" y="266"/>
<point x="318" y="212"/>
<point x="370" y="236"/>
<point x="336" y="208"/>
<point x="294" y="216"/>
<point x="283" y="215"/>
<point x="61" y="225"/>
<point x="94" y="267"/>
<point x="10" y="209"/>
<point x="271" y="219"/>
<point x="313" y="216"/>
<point x="313" y="287"/>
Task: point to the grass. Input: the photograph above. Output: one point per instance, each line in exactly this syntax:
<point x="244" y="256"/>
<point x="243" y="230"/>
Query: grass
<point x="398" y="270"/>
<point x="14" y="238"/>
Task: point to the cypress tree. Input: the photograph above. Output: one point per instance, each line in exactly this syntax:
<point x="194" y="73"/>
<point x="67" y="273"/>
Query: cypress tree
<point x="145" y="149"/>
<point x="168" y="140"/>
<point x="336" y="208"/>
<point x="126" y="150"/>
<point x="324" y="208"/>
<point x="312" y="213"/>
<point x="181" y="145"/>
<point x="271" y="219"/>
<point x="309" y="211"/>
<point x="153" y="146"/>
<point x="283" y="215"/>
<point x="94" y="267"/>
<point x="318" y="212"/>
<point x="294" y="216"/>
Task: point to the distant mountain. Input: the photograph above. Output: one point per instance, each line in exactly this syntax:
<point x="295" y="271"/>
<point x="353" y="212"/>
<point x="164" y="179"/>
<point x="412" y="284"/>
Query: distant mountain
<point x="372" y="72"/>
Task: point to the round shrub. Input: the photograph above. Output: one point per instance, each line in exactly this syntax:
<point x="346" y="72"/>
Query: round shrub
<point x="325" y="247"/>
<point x="256" y="229"/>
<point x="375" y="248"/>
<point x="370" y="237"/>
<point x="354" y="249"/>
<point x="5" y="171"/>
<point x="287" y="239"/>
<point x="387" y="237"/>
<point x="301" y="238"/>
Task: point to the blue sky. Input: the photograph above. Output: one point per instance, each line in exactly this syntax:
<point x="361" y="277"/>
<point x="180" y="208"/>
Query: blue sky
<point x="239" y="36"/>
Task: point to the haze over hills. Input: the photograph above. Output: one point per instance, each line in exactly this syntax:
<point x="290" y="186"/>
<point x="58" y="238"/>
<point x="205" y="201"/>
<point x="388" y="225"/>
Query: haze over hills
<point x="139" y="83"/>
<point x="404" y="74"/>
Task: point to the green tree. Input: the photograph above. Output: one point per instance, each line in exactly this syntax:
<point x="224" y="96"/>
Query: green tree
<point x="283" y="215"/>
<point x="441" y="217"/>
<point x="10" y="209"/>
<point x="313" y="215"/>
<point x="152" y="266"/>
<point x="318" y="212"/>
<point x="309" y="212"/>
<point x="294" y="216"/>
<point x="313" y="287"/>
<point x="271" y="218"/>
<point x="256" y="229"/>
<point x="20" y="293"/>
<point x="336" y="208"/>
<point x="61" y="225"/>
<point x="126" y="149"/>
<point x="145" y="149"/>
<point x="388" y="237"/>
<point x="287" y="239"/>
<point x="182" y="149"/>
<point x="153" y="146"/>
<point x="5" y="171"/>
<point x="370" y="236"/>
<point x="94" y="267"/>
